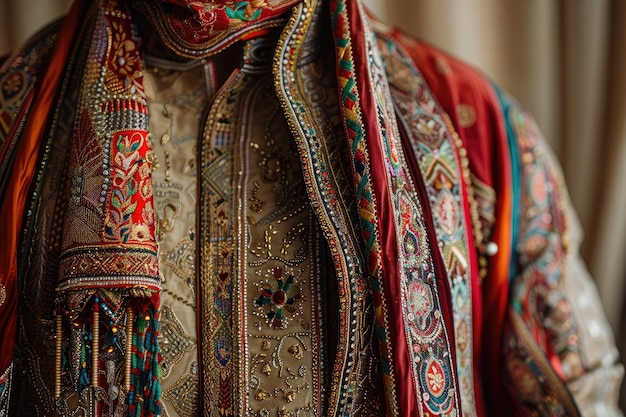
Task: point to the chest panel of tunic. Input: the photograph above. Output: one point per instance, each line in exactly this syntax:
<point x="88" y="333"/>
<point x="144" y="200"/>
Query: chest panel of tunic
<point x="260" y="318"/>
<point x="176" y="102"/>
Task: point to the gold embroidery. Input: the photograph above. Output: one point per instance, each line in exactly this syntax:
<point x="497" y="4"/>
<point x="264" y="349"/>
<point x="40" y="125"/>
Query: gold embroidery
<point x="174" y="114"/>
<point x="261" y="395"/>
<point x="184" y="394"/>
<point x="261" y="245"/>
<point x="466" y="115"/>
<point x="173" y="340"/>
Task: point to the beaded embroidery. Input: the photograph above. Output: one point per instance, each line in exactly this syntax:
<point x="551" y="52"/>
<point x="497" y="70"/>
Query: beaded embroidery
<point x="356" y="387"/>
<point x="6" y="380"/>
<point x="429" y="343"/>
<point x="177" y="98"/>
<point x="432" y="139"/>
<point x="259" y="258"/>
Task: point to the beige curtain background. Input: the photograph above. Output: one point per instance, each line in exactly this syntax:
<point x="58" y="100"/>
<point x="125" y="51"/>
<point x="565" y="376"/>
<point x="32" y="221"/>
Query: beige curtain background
<point x="20" y="18"/>
<point x="565" y="60"/>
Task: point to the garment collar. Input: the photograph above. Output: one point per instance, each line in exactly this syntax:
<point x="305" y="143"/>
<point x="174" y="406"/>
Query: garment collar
<point x="200" y="28"/>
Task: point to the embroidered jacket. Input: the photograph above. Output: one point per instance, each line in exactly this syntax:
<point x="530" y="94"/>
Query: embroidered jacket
<point x="459" y="290"/>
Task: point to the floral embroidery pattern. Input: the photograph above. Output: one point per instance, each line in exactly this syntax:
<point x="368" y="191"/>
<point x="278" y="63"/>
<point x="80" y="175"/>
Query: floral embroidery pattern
<point x="127" y="221"/>
<point x="432" y="139"/>
<point x="124" y="61"/>
<point x="436" y="379"/>
<point x="278" y="299"/>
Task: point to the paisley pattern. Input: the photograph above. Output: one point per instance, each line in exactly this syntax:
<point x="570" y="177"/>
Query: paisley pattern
<point x="428" y="339"/>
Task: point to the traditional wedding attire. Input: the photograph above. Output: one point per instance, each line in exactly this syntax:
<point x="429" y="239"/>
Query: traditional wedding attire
<point x="350" y="222"/>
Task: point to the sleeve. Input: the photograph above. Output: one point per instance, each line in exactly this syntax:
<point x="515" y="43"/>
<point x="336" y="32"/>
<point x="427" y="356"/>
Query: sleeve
<point x="555" y="326"/>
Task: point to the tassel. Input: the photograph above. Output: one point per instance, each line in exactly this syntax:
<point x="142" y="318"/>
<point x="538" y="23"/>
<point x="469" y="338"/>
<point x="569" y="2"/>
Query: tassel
<point x="85" y="353"/>
<point x="145" y="389"/>
<point x="130" y="318"/>
<point x="95" y="343"/>
<point x="95" y="349"/>
<point x="58" y="353"/>
<point x="83" y="378"/>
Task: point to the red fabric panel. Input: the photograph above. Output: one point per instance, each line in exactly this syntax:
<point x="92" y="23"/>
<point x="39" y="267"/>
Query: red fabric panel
<point x="457" y="85"/>
<point x="407" y="402"/>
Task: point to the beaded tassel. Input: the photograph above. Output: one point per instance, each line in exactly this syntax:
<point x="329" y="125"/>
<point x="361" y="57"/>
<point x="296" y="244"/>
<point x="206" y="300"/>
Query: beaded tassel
<point x="95" y="348"/>
<point x="58" y="353"/>
<point x="95" y="343"/>
<point x="130" y="318"/>
<point x="145" y="388"/>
